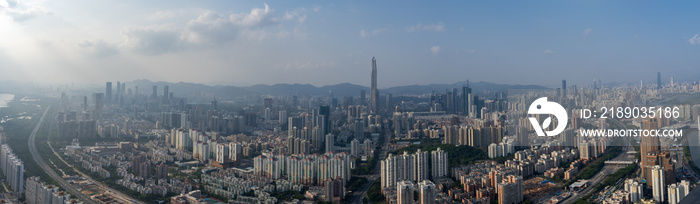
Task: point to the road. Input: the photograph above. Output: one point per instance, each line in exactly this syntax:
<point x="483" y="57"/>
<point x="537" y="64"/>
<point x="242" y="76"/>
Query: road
<point x="371" y="178"/>
<point x="102" y="185"/>
<point x="605" y="171"/>
<point x="39" y="160"/>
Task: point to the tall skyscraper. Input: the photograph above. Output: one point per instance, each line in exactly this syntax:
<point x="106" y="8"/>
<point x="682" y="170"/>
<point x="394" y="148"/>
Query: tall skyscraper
<point x="374" y="92"/>
<point x="108" y="92"/>
<point x="166" y="91"/>
<point x="658" y="80"/>
<point x="563" y="88"/>
<point x="466" y="98"/>
<point x="154" y="95"/>
<point x="649" y="146"/>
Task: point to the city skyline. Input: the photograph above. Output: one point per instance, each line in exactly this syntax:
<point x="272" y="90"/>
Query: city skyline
<point x="247" y="43"/>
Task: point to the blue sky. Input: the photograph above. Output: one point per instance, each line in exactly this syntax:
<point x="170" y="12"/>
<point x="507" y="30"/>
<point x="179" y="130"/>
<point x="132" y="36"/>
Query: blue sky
<point x="331" y="42"/>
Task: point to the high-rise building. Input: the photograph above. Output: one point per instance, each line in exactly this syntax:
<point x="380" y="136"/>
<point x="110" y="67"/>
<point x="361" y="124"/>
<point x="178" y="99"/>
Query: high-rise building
<point x="563" y="88"/>
<point x="334" y="189"/>
<point x="510" y="190"/>
<point x="635" y="190"/>
<point x="154" y="95"/>
<point x="404" y="192"/>
<point x="374" y="91"/>
<point x="108" y="92"/>
<point x="166" y="91"/>
<point x="161" y="171"/>
<point x="439" y="163"/>
<point x="657" y="179"/>
<point x="649" y="145"/>
<point x="658" y="80"/>
<point x="426" y="192"/>
<point x="466" y="99"/>
<point x="422" y="165"/>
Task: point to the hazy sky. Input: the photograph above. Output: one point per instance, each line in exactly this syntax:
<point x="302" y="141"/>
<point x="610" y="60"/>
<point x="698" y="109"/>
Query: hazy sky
<point x="330" y="42"/>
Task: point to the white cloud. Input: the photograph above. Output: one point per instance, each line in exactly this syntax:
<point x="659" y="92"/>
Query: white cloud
<point x="587" y="31"/>
<point x="298" y="14"/>
<point x="208" y="29"/>
<point x="695" y="40"/>
<point x="365" y="33"/>
<point x="20" y="11"/>
<point x="152" y="40"/>
<point x="434" y="27"/>
<point x="97" y="48"/>
<point x="435" y="50"/>
<point x="257" y="17"/>
<point x="211" y="27"/>
<point x="548" y="51"/>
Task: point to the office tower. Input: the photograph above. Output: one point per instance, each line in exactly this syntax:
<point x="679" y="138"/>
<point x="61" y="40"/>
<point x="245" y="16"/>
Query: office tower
<point x="658" y="80"/>
<point x="98" y="99"/>
<point x="404" y="192"/>
<point x="267" y="103"/>
<point x="439" y="163"/>
<point x="268" y="114"/>
<point x="374" y="91"/>
<point x="426" y="192"/>
<point x="657" y="179"/>
<point x="359" y="130"/>
<point x="363" y="98"/>
<point x="648" y="146"/>
<point x="389" y="101"/>
<point x="330" y="142"/>
<point x="563" y="88"/>
<point x="466" y="98"/>
<point x="166" y="91"/>
<point x="136" y="91"/>
<point x="154" y="95"/>
<point x="108" y="92"/>
<point x="325" y="111"/>
<point x="422" y="165"/>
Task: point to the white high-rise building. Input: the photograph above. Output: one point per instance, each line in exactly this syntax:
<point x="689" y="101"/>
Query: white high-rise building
<point x="439" y="163"/>
<point x="222" y="153"/>
<point x="404" y="192"/>
<point x="635" y="190"/>
<point x="268" y="114"/>
<point x="495" y="150"/>
<point x="657" y="179"/>
<point x="355" y="147"/>
<point x="426" y="192"/>
<point x="12" y="168"/>
<point x="422" y="165"/>
<point x="283" y="117"/>
<point x="672" y="194"/>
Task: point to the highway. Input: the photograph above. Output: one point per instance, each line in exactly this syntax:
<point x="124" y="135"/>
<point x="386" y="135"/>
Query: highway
<point x="357" y="196"/>
<point x="39" y="160"/>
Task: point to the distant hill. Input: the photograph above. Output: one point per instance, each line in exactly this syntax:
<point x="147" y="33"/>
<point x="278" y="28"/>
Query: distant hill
<point x="338" y="90"/>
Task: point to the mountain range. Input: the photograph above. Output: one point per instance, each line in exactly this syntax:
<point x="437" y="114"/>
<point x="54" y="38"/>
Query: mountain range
<point x="338" y="90"/>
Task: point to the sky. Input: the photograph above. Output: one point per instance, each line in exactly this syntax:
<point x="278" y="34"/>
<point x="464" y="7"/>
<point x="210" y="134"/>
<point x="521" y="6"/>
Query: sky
<point x="332" y="42"/>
